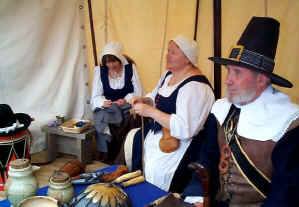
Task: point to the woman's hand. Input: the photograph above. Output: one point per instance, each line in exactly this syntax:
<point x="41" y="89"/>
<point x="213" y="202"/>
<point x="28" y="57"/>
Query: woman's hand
<point x="107" y="103"/>
<point x="120" y="101"/>
<point x="139" y="99"/>
<point x="136" y="99"/>
<point x="143" y="109"/>
<point x="146" y="109"/>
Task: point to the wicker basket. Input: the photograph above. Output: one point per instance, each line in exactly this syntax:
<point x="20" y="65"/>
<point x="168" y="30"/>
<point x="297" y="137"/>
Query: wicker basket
<point x="70" y="126"/>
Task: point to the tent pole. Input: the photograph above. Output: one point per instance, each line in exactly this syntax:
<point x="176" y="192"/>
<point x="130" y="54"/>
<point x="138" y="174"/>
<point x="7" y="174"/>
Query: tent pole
<point x="196" y="20"/>
<point x="92" y="34"/>
<point x="217" y="47"/>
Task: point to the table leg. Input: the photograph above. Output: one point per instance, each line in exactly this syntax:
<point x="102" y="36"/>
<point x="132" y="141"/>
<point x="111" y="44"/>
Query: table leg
<point x="51" y="148"/>
<point x="88" y="148"/>
<point x="84" y="148"/>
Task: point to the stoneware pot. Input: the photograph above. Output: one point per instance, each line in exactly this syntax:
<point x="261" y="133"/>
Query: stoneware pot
<point x="60" y="187"/>
<point x="21" y="182"/>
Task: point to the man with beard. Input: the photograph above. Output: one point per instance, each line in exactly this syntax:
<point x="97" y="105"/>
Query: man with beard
<point x="252" y="142"/>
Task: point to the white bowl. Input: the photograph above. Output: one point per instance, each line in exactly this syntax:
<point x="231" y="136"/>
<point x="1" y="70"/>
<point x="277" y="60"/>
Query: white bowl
<point x="39" y="201"/>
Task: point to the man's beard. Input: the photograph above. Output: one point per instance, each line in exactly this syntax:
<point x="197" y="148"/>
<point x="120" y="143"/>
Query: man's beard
<point x="245" y="96"/>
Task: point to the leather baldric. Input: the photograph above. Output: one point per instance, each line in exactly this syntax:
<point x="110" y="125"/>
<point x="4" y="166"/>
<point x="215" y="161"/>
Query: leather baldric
<point x="247" y="168"/>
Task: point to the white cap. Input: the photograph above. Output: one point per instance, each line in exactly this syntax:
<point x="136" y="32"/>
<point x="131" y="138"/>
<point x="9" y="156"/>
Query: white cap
<point x="189" y="48"/>
<point x="114" y="48"/>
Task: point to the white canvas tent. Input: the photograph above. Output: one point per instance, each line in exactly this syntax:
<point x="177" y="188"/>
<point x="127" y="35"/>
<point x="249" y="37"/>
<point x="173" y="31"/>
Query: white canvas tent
<point x="43" y="70"/>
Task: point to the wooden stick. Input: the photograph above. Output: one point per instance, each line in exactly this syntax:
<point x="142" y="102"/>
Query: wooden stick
<point x="203" y="173"/>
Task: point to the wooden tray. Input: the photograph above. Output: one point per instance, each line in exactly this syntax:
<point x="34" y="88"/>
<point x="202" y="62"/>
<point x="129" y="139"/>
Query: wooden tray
<point x="70" y="126"/>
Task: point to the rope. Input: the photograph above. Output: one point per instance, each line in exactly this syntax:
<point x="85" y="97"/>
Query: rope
<point x="142" y="133"/>
<point x="133" y="113"/>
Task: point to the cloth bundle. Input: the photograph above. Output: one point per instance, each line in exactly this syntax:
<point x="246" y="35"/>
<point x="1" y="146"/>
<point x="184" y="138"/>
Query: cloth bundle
<point x="110" y="115"/>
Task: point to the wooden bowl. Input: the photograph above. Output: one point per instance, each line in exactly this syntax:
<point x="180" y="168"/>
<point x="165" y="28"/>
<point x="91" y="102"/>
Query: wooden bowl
<point x="39" y="201"/>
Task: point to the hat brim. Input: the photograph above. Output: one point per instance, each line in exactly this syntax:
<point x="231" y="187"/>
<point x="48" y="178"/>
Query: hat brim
<point x="23" y="119"/>
<point x="275" y="79"/>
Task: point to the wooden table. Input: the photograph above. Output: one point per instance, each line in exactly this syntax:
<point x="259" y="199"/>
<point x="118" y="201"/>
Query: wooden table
<point x="139" y="194"/>
<point x="79" y="144"/>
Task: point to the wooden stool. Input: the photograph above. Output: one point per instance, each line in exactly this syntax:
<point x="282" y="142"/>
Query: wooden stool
<point x="79" y="144"/>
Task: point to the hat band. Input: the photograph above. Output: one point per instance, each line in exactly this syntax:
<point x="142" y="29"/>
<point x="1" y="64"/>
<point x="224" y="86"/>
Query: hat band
<point x="240" y="54"/>
<point x="12" y="127"/>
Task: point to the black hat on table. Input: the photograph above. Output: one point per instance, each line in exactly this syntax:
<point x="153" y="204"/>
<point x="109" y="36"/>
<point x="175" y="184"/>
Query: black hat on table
<point x="256" y="49"/>
<point x="12" y="123"/>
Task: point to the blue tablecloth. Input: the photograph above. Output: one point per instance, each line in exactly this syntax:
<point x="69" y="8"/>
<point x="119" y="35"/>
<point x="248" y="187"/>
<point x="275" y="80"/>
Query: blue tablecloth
<point x="140" y="194"/>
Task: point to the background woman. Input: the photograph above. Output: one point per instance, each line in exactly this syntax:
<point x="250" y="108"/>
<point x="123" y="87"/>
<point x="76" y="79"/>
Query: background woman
<point x="115" y="82"/>
<point x="180" y="104"/>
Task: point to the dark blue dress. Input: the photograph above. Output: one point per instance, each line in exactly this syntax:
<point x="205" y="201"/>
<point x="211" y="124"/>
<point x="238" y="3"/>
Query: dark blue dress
<point x="115" y="94"/>
<point x="168" y="105"/>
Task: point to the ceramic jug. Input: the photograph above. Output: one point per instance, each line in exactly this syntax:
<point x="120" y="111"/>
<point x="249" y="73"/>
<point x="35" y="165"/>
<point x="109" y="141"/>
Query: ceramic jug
<point x="60" y="187"/>
<point x="21" y="182"/>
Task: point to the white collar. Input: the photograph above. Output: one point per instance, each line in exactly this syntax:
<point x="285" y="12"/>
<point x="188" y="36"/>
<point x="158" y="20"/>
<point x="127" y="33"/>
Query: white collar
<point x="267" y="118"/>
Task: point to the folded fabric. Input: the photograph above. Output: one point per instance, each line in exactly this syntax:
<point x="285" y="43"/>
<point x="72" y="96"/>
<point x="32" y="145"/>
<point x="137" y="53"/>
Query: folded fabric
<point x="110" y="115"/>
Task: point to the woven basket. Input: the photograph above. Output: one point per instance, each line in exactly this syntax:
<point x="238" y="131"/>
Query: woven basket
<point x="70" y="126"/>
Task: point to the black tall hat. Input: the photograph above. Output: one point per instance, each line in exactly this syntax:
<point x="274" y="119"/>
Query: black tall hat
<point x="12" y="123"/>
<point x="256" y="49"/>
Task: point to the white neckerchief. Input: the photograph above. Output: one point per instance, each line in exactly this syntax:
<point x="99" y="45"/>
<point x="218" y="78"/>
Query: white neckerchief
<point x="267" y="118"/>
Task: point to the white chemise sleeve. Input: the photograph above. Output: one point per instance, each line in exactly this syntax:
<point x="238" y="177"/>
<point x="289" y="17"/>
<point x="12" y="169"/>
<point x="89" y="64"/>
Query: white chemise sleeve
<point x="194" y="102"/>
<point x="97" y="93"/>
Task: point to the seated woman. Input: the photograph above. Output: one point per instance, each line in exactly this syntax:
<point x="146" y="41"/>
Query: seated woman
<point x="179" y="106"/>
<point x="115" y="82"/>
